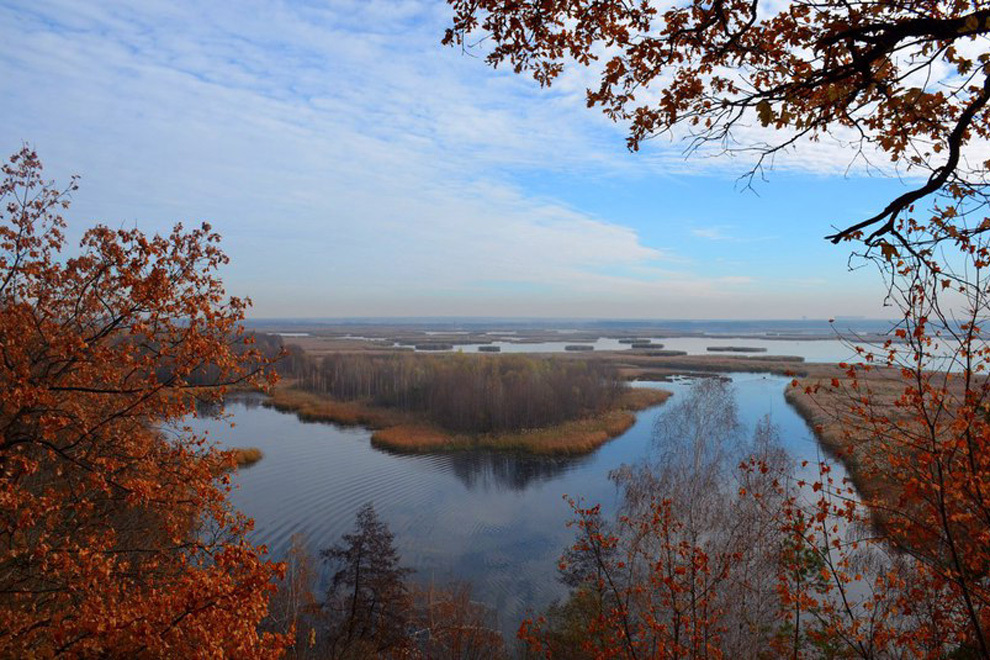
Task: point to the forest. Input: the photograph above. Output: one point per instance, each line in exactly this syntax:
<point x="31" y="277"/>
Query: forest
<point x="461" y="393"/>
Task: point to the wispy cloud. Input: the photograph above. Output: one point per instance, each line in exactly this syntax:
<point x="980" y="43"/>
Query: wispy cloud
<point x="354" y="166"/>
<point x="711" y="233"/>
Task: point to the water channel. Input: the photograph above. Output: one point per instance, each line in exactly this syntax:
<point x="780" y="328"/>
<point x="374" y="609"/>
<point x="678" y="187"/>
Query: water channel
<point x="497" y="520"/>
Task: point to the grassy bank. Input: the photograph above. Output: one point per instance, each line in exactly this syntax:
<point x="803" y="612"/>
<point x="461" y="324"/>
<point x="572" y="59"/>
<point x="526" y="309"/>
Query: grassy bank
<point x="406" y="432"/>
<point x="311" y="407"/>
<point x="846" y="434"/>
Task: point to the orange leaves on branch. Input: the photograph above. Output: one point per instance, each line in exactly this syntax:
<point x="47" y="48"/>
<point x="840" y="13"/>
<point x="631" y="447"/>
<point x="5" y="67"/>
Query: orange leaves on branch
<point x="706" y="70"/>
<point x="115" y="535"/>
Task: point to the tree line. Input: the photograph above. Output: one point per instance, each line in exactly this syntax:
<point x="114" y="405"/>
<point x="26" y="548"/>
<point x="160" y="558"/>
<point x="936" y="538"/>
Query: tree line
<point x="260" y="349"/>
<point x="472" y="394"/>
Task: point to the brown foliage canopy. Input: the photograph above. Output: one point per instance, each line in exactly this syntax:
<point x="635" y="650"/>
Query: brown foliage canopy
<point x="115" y="536"/>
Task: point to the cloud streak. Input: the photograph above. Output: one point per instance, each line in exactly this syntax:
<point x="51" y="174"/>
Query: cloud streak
<point x="353" y="165"/>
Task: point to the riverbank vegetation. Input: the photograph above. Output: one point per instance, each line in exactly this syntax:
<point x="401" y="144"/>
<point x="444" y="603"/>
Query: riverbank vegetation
<point x="689" y="562"/>
<point x="425" y="403"/>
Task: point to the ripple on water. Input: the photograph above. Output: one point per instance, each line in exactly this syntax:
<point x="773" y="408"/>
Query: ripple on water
<point x="495" y="520"/>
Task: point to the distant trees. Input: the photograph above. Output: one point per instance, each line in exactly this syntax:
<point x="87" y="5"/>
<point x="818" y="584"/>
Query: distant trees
<point x="259" y="350"/>
<point x="465" y="393"/>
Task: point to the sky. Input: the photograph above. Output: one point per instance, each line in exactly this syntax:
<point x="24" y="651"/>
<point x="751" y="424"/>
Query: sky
<point x="357" y="167"/>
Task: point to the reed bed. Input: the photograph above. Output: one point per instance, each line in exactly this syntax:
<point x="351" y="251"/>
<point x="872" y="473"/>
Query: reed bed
<point x="312" y="407"/>
<point x="567" y="439"/>
<point x="245" y="456"/>
<point x="842" y="433"/>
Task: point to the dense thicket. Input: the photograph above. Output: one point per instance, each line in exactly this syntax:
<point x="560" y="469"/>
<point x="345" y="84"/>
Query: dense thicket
<point x="464" y="393"/>
<point x="258" y="350"/>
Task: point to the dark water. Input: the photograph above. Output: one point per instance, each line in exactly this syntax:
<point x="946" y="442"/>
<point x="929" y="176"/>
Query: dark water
<point x="497" y="520"/>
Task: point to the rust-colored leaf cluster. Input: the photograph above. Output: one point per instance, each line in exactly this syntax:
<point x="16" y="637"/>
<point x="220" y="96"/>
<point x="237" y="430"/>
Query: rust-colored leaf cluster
<point x="907" y="80"/>
<point x="115" y="534"/>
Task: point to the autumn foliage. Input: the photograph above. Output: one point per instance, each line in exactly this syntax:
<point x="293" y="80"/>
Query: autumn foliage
<point x="115" y="535"/>
<point x="901" y="82"/>
<point x="900" y="568"/>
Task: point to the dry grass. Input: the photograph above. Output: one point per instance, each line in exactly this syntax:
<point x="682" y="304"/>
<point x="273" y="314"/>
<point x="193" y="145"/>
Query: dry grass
<point x="312" y="407"/>
<point x="635" y="366"/>
<point x="846" y="434"/>
<point x="641" y="398"/>
<point x="570" y="438"/>
<point x="576" y="437"/>
<point x="413" y="438"/>
<point x="245" y="456"/>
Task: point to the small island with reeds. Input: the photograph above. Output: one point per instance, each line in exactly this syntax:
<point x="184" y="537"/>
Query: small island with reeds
<point x="417" y="403"/>
<point x="246" y="456"/>
<point x="736" y="349"/>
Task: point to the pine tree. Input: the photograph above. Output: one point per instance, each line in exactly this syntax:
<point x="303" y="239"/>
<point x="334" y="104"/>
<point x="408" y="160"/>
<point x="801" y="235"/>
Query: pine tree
<point x="368" y="605"/>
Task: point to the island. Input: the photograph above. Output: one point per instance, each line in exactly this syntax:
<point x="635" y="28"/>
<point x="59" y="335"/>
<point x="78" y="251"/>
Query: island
<point x="736" y="349"/>
<point x="426" y="403"/>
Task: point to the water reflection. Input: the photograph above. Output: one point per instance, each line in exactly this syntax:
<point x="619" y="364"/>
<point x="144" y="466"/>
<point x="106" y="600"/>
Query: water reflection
<point x="482" y="469"/>
<point x="497" y="520"/>
<point x="500" y="471"/>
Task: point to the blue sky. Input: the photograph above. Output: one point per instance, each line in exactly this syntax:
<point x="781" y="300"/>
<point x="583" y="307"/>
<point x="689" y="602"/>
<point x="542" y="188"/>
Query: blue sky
<point x="357" y="168"/>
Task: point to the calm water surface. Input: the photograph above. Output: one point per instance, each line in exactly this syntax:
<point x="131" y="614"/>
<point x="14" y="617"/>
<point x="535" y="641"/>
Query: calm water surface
<point x="812" y="350"/>
<point x="497" y="520"/>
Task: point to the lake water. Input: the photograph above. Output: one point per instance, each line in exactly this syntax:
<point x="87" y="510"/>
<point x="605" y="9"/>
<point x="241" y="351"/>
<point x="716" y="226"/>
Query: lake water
<point x="497" y="520"/>
<point x="812" y="350"/>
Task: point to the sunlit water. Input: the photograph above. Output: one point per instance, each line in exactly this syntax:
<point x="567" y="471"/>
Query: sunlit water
<point x="497" y="520"/>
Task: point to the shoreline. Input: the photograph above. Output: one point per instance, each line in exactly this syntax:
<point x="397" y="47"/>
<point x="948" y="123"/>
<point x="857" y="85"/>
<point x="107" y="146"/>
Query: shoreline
<point x="408" y="433"/>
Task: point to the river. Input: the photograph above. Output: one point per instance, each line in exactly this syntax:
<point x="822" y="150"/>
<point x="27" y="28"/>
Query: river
<point x="497" y="520"/>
